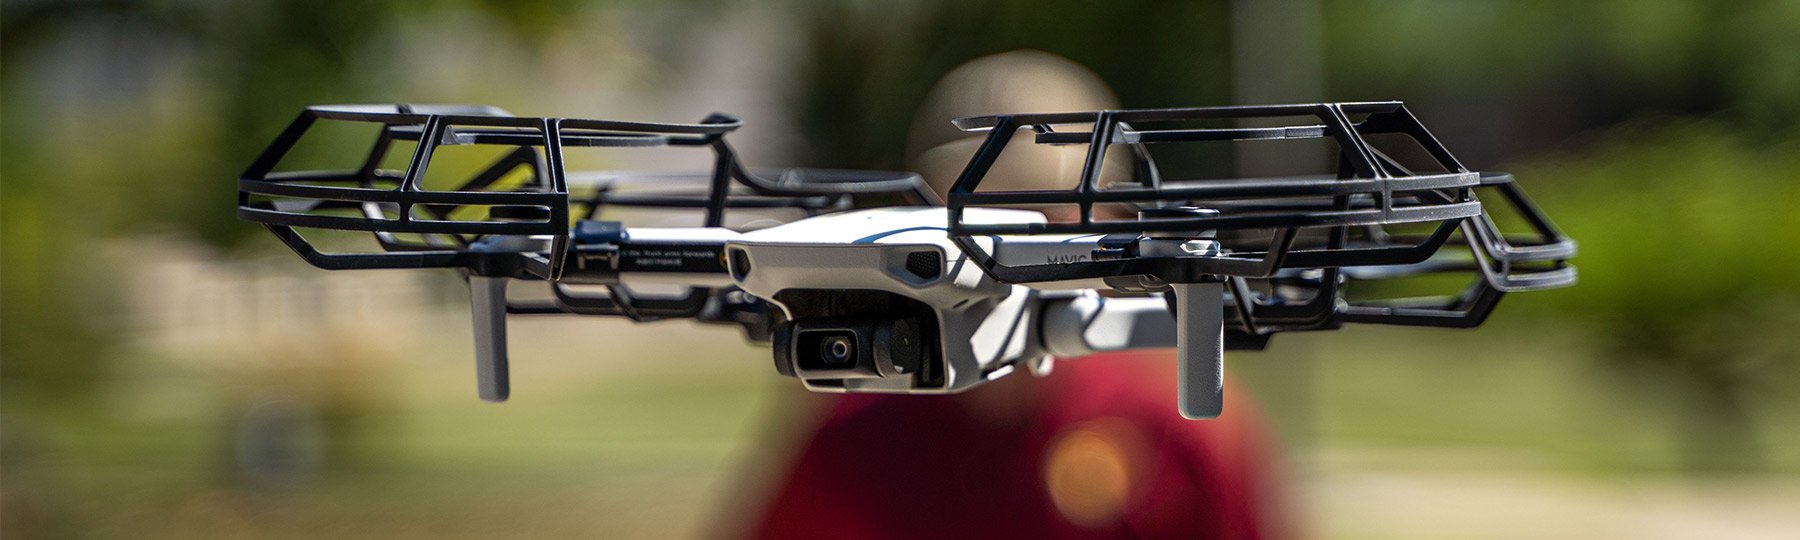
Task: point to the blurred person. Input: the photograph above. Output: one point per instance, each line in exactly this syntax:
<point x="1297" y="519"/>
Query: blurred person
<point x="1096" y="449"/>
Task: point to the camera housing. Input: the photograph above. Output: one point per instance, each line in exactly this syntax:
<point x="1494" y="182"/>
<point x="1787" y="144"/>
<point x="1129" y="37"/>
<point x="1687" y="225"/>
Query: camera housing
<point x="824" y="349"/>
<point x="925" y="322"/>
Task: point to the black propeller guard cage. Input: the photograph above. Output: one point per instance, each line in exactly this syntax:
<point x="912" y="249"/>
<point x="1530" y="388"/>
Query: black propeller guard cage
<point x="1371" y="189"/>
<point x="394" y="202"/>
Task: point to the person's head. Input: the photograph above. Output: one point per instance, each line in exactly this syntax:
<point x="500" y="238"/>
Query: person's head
<point x="1011" y="82"/>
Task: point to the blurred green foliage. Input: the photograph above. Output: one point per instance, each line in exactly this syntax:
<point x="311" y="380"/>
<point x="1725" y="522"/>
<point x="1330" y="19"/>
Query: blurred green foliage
<point x="1567" y="67"/>
<point x="873" y="62"/>
<point x="1682" y="219"/>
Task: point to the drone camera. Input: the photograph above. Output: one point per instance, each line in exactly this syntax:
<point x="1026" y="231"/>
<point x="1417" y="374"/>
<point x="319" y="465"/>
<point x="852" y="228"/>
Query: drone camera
<point x="851" y="349"/>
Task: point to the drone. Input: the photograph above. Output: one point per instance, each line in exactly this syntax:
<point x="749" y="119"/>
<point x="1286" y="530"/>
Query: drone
<point x="868" y="281"/>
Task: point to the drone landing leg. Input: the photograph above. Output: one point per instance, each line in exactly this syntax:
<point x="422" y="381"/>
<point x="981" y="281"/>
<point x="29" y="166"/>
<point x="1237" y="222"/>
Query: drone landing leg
<point x="487" y="296"/>
<point x="1200" y="345"/>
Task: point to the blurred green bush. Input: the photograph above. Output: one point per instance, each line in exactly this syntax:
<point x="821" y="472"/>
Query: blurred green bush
<point x="1690" y="270"/>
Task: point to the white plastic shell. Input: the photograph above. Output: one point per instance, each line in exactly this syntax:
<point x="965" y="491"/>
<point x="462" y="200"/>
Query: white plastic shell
<point x="984" y="326"/>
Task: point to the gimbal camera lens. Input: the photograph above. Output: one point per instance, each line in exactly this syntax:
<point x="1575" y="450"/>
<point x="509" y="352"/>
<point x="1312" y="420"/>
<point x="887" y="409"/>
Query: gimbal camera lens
<point x="840" y="349"/>
<point x="836" y="349"/>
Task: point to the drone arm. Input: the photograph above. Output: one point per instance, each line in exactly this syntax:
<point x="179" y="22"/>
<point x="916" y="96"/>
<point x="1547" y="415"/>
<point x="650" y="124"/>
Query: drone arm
<point x="1089" y="323"/>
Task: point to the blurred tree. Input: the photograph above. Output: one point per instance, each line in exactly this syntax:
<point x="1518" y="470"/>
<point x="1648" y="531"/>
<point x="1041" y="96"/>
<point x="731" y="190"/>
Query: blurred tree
<point x="871" y="63"/>
<point x="1512" y="79"/>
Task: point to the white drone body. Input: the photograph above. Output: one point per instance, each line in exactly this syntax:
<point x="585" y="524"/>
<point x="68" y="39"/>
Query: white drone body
<point x="909" y="312"/>
<point x="983" y="326"/>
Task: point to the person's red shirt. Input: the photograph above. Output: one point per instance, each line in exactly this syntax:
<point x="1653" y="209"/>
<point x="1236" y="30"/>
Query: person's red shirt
<point x="1095" y="450"/>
